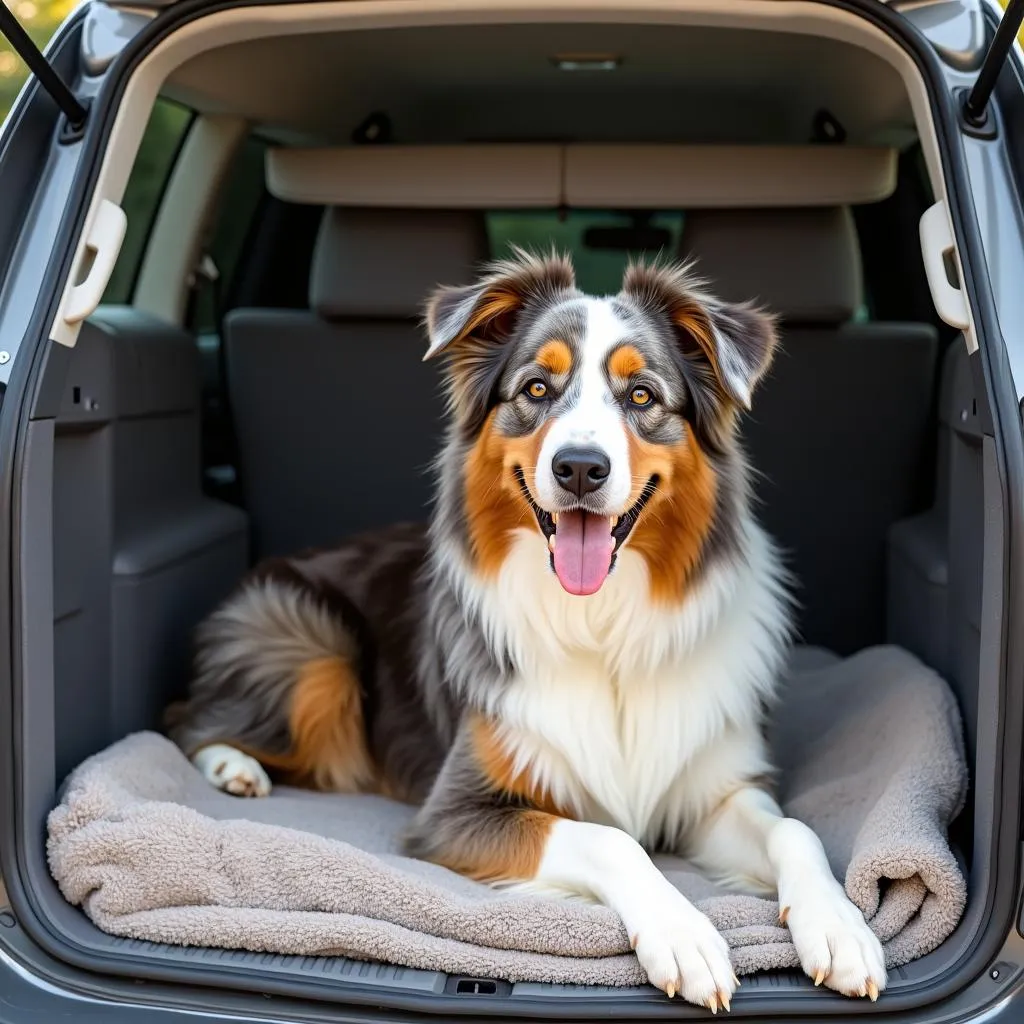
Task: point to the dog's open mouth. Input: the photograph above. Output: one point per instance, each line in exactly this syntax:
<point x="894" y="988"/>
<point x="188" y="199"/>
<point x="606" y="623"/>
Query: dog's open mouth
<point x="583" y="544"/>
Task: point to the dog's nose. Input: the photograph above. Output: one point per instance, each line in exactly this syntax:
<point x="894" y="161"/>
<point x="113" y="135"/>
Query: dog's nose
<point x="580" y="470"/>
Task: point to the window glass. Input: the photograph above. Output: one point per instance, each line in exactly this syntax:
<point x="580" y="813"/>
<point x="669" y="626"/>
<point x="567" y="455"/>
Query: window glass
<point x="158" y="151"/>
<point x="240" y="200"/>
<point x="598" y="269"/>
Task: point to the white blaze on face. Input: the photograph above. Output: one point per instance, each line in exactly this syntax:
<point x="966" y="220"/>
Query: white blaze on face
<point x="583" y="542"/>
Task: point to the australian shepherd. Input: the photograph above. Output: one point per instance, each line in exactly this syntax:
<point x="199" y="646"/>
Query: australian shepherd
<point x="570" y="665"/>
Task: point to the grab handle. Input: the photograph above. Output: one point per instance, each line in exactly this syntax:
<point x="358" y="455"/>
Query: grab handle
<point x="936" y="244"/>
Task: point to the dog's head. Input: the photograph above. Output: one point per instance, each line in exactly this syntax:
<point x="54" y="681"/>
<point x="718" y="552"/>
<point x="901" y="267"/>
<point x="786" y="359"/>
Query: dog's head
<point x="599" y="422"/>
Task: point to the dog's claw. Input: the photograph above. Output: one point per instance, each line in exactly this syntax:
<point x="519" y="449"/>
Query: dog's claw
<point x="633" y="940"/>
<point x="713" y="1004"/>
<point x="670" y="991"/>
<point x="735" y="979"/>
<point x="872" y="991"/>
<point x="783" y="915"/>
<point x="723" y="998"/>
<point x="819" y="977"/>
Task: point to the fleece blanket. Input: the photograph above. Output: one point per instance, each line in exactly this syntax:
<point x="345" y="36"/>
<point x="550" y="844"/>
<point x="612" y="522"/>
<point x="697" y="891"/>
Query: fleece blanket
<point x="870" y="754"/>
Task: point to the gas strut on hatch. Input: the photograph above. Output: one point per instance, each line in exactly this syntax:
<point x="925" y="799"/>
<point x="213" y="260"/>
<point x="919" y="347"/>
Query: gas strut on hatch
<point x="37" y="63"/>
<point x="976" y="103"/>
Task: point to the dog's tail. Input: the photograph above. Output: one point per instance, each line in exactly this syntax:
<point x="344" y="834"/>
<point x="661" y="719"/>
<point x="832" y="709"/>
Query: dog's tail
<point x="276" y="676"/>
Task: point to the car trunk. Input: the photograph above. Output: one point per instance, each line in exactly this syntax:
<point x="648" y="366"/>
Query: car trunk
<point x="158" y="461"/>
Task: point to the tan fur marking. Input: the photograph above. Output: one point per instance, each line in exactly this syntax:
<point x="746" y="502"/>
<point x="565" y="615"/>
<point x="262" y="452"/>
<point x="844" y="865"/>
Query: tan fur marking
<point x="327" y="731"/>
<point x="327" y="727"/>
<point x="555" y="356"/>
<point x="676" y="521"/>
<point x="625" y="361"/>
<point x="498" y="765"/>
<point x="495" y="505"/>
<point x="495" y="307"/>
<point x="693" y="320"/>
<point x="496" y="303"/>
<point x="512" y="854"/>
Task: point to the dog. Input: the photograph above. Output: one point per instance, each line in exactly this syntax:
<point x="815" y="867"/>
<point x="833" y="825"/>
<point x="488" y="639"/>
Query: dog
<point x="570" y="665"/>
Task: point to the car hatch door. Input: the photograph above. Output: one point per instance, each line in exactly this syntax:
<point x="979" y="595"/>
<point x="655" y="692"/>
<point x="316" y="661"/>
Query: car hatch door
<point x="41" y="156"/>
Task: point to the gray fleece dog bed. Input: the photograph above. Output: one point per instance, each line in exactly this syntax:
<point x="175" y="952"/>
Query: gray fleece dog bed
<point x="871" y="757"/>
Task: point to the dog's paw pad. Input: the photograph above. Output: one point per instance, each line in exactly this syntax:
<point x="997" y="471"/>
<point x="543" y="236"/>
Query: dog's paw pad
<point x="835" y="945"/>
<point x="232" y="771"/>
<point x="684" y="955"/>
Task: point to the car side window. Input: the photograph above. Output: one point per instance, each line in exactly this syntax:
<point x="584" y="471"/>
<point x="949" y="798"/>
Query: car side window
<point x="240" y="200"/>
<point x="161" y="142"/>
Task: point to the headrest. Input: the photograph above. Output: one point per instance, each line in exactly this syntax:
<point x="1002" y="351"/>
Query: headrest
<point x="802" y="264"/>
<point x="382" y="264"/>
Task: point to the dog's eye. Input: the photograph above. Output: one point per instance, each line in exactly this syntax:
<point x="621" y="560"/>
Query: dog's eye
<point x="536" y="389"/>
<point x="640" y="396"/>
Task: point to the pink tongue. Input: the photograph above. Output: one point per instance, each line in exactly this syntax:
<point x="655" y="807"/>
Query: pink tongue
<point x="583" y="551"/>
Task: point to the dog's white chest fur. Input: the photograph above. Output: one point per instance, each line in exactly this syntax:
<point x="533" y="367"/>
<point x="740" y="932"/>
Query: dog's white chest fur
<point x="629" y="713"/>
<point x="605" y="745"/>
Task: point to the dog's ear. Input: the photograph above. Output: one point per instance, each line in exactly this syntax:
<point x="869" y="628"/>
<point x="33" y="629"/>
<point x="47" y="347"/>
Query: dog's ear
<point x="471" y="327"/>
<point x="734" y="341"/>
<point x="483" y="315"/>
<point x="484" y="311"/>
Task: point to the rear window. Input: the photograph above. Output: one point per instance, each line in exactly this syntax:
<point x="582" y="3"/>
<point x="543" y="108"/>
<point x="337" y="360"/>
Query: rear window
<point x="239" y="203"/>
<point x="599" y="254"/>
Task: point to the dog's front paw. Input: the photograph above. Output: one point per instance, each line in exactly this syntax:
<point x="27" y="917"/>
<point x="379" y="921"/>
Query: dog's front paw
<point x="682" y="952"/>
<point x="230" y="770"/>
<point x="835" y="945"/>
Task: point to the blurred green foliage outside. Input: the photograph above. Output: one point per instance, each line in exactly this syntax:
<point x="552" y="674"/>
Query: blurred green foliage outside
<point x="157" y="153"/>
<point x="40" y="18"/>
<point x="598" y="271"/>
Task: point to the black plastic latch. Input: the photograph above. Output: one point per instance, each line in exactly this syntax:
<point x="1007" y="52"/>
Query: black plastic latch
<point x="375" y="130"/>
<point x="979" y="404"/>
<point x="460" y="985"/>
<point x="827" y="130"/>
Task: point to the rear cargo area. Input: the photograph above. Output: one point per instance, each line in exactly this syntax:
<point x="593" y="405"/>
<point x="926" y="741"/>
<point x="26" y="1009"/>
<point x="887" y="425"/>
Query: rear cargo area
<point x="168" y="453"/>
